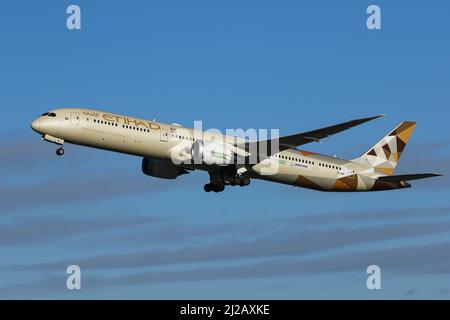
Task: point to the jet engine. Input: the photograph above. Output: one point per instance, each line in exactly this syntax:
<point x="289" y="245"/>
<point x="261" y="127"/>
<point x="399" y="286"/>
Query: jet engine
<point x="208" y="152"/>
<point x="161" y="169"/>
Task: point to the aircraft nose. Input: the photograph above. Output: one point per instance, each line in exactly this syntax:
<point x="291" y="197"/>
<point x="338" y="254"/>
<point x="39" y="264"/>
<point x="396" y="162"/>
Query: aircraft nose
<point x="35" y="125"/>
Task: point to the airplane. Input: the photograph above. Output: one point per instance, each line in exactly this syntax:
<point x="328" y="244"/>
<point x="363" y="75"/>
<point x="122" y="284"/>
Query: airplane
<point x="170" y="150"/>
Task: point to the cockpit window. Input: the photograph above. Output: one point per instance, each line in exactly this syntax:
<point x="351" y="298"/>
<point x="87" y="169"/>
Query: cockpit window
<point x="48" y="114"/>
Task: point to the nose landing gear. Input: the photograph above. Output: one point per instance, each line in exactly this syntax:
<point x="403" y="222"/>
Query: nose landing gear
<point x="59" y="142"/>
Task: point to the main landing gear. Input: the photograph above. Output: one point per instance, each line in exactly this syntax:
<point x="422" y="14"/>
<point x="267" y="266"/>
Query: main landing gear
<point x="60" y="151"/>
<point x="219" y="186"/>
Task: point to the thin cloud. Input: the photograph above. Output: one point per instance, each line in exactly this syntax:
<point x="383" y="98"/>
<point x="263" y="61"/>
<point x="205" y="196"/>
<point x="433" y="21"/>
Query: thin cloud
<point x="36" y="231"/>
<point x="94" y="186"/>
<point x="303" y="243"/>
<point x="409" y="260"/>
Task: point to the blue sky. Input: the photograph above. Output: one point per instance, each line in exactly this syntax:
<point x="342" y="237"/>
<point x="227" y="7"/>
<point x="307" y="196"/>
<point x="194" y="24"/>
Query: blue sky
<point x="292" y="65"/>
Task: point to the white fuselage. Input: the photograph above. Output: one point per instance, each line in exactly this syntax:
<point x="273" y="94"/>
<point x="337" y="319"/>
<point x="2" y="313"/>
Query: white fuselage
<point x="155" y="140"/>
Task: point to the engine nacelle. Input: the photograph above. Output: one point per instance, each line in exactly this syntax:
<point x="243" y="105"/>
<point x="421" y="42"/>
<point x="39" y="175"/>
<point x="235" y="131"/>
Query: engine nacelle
<point x="161" y="169"/>
<point x="207" y="152"/>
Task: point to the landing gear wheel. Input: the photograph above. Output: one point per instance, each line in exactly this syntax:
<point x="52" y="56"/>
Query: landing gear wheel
<point x="245" y="181"/>
<point x="59" y="151"/>
<point x="208" y="187"/>
<point x="213" y="187"/>
<point x="219" y="188"/>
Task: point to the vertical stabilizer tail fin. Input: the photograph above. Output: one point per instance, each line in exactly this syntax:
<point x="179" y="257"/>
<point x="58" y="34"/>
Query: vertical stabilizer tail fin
<point x="386" y="153"/>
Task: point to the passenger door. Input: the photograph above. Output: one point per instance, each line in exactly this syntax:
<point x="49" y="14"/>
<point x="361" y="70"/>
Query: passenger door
<point x="344" y="172"/>
<point x="75" y="118"/>
<point x="164" y="135"/>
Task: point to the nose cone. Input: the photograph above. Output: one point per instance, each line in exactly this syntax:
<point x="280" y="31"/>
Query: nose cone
<point x="36" y="124"/>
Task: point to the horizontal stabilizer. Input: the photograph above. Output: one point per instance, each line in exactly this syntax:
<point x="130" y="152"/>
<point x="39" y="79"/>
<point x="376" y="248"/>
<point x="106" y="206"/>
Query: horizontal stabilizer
<point x="408" y="177"/>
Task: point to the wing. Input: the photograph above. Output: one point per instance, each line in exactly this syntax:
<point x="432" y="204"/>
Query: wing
<point x="299" y="139"/>
<point x="408" y="177"/>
